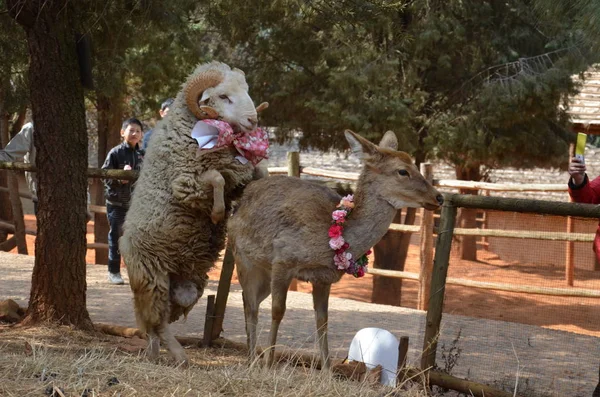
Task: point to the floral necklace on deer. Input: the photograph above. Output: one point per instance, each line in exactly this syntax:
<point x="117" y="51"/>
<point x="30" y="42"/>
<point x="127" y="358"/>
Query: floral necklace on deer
<point x="342" y="259"/>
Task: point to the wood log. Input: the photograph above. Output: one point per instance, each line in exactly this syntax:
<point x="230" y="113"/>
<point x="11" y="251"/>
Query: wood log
<point x="223" y="292"/>
<point x="9" y="244"/>
<point x="17" y="211"/>
<point x="425" y="247"/>
<point x="438" y="285"/>
<point x="118" y="330"/>
<point x="461" y="385"/>
<point x="529" y="289"/>
<point x="128" y="175"/>
<point x="502" y="187"/>
<point x="535" y="235"/>
<point x="127" y="332"/>
<point x="10" y="228"/>
<point x="24" y="195"/>
<point x="208" y="320"/>
<point x="293" y="164"/>
<point x="524" y="205"/>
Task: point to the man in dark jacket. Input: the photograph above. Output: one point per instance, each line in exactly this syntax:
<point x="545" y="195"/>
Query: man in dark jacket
<point x="126" y="156"/>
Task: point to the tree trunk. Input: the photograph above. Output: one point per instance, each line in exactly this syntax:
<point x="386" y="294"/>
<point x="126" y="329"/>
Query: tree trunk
<point x="387" y="290"/>
<point x="110" y="117"/>
<point x="58" y="287"/>
<point x="391" y="252"/>
<point x="5" y="210"/>
<point x="467" y="217"/>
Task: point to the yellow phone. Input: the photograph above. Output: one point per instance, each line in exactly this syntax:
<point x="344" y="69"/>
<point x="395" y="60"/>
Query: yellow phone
<point x="580" y="146"/>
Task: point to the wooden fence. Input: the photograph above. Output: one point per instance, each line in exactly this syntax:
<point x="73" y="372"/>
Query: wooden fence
<point x="426" y="230"/>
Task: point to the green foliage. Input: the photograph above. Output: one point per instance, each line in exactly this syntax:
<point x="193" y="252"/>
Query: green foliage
<point x="13" y="67"/>
<point x="142" y="51"/>
<point x="425" y="69"/>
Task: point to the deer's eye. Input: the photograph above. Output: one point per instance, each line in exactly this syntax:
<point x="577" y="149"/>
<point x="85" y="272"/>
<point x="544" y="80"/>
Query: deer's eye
<point x="403" y="172"/>
<point x="225" y="98"/>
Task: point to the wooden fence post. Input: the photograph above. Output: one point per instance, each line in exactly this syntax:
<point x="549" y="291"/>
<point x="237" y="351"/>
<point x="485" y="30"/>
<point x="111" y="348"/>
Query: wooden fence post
<point x="426" y="244"/>
<point x="293" y="163"/>
<point x="209" y="321"/>
<point x="438" y="284"/>
<point x="402" y="360"/>
<point x="223" y="292"/>
<point x="101" y="226"/>
<point x="570" y="249"/>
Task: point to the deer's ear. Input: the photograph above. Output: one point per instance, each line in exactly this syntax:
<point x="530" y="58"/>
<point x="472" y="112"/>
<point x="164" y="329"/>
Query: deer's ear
<point x="389" y="141"/>
<point x="360" y="146"/>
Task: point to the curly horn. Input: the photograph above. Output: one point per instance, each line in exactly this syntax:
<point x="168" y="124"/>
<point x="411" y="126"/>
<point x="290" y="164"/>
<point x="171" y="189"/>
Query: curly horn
<point x="194" y="89"/>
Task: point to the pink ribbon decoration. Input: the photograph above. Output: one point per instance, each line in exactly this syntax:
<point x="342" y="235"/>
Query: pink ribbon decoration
<point x="251" y="145"/>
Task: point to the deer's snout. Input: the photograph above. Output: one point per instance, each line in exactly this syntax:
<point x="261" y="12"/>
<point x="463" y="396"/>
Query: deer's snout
<point x="440" y="199"/>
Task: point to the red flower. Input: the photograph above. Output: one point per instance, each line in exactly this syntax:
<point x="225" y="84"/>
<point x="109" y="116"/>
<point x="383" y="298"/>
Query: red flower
<point x="335" y="231"/>
<point x="368" y="252"/>
<point x="360" y="272"/>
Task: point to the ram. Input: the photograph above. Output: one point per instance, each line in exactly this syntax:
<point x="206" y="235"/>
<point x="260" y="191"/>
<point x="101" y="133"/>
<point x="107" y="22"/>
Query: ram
<point x="174" y="229"/>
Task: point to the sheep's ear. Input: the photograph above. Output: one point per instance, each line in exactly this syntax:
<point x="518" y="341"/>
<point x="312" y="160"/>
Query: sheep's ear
<point x="210" y="112"/>
<point x="360" y="146"/>
<point x="389" y="141"/>
<point x="262" y="107"/>
<point x="204" y="97"/>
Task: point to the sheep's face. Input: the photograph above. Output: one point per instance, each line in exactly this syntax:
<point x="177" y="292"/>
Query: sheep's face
<point x="231" y="101"/>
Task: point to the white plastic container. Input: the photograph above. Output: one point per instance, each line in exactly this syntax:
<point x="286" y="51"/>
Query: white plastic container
<point x="376" y="346"/>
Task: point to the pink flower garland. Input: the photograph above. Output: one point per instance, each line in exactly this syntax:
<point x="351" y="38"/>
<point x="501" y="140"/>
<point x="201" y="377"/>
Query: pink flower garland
<point x="343" y="260"/>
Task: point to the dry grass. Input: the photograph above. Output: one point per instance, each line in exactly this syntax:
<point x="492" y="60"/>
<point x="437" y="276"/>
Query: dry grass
<point x="44" y="360"/>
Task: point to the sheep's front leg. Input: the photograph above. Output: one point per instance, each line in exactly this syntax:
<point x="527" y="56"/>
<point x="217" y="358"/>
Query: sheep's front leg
<point x="192" y="192"/>
<point x="216" y="180"/>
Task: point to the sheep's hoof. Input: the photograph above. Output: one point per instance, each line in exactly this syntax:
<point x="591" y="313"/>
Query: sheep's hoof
<point x="217" y="216"/>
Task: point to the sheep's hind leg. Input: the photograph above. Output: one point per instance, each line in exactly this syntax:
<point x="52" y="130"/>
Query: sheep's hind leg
<point x="153" y="345"/>
<point x="172" y="345"/>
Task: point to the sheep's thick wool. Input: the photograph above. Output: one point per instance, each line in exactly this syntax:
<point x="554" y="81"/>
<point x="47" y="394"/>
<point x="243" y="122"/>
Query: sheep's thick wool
<point x="169" y="243"/>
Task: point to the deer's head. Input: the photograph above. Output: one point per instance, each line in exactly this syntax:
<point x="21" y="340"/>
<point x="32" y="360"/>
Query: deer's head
<point x="391" y="174"/>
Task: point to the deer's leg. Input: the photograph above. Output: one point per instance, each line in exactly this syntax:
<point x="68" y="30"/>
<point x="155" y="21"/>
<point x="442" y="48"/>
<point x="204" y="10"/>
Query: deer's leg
<point x="256" y="287"/>
<point x="279" y="288"/>
<point x="216" y="180"/>
<point x="320" y="295"/>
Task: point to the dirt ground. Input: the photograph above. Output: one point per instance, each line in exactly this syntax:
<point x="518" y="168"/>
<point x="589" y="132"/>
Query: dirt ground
<point x="579" y="315"/>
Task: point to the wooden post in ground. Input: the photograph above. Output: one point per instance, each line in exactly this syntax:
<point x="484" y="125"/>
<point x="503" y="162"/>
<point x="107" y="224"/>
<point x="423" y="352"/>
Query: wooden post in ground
<point x="208" y="321"/>
<point x="402" y="360"/>
<point x="438" y="284"/>
<point x="101" y="226"/>
<point x="484" y="225"/>
<point x="13" y="194"/>
<point x="223" y="292"/>
<point x="426" y="247"/>
<point x="17" y="210"/>
<point x="293" y="162"/>
<point x="570" y="249"/>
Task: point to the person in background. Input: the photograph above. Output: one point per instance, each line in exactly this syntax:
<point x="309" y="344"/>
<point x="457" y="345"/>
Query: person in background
<point x="126" y="156"/>
<point x="164" y="110"/>
<point x="21" y="148"/>
<point x="582" y="190"/>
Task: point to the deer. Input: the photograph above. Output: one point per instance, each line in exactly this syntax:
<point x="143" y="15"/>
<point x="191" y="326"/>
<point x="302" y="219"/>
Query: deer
<point x="279" y="231"/>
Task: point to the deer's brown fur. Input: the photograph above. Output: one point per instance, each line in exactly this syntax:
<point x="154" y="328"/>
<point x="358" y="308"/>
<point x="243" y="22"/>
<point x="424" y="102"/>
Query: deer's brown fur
<point x="280" y="230"/>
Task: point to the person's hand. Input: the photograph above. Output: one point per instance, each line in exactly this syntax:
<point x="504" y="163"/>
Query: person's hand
<point x="577" y="170"/>
<point x="126" y="168"/>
